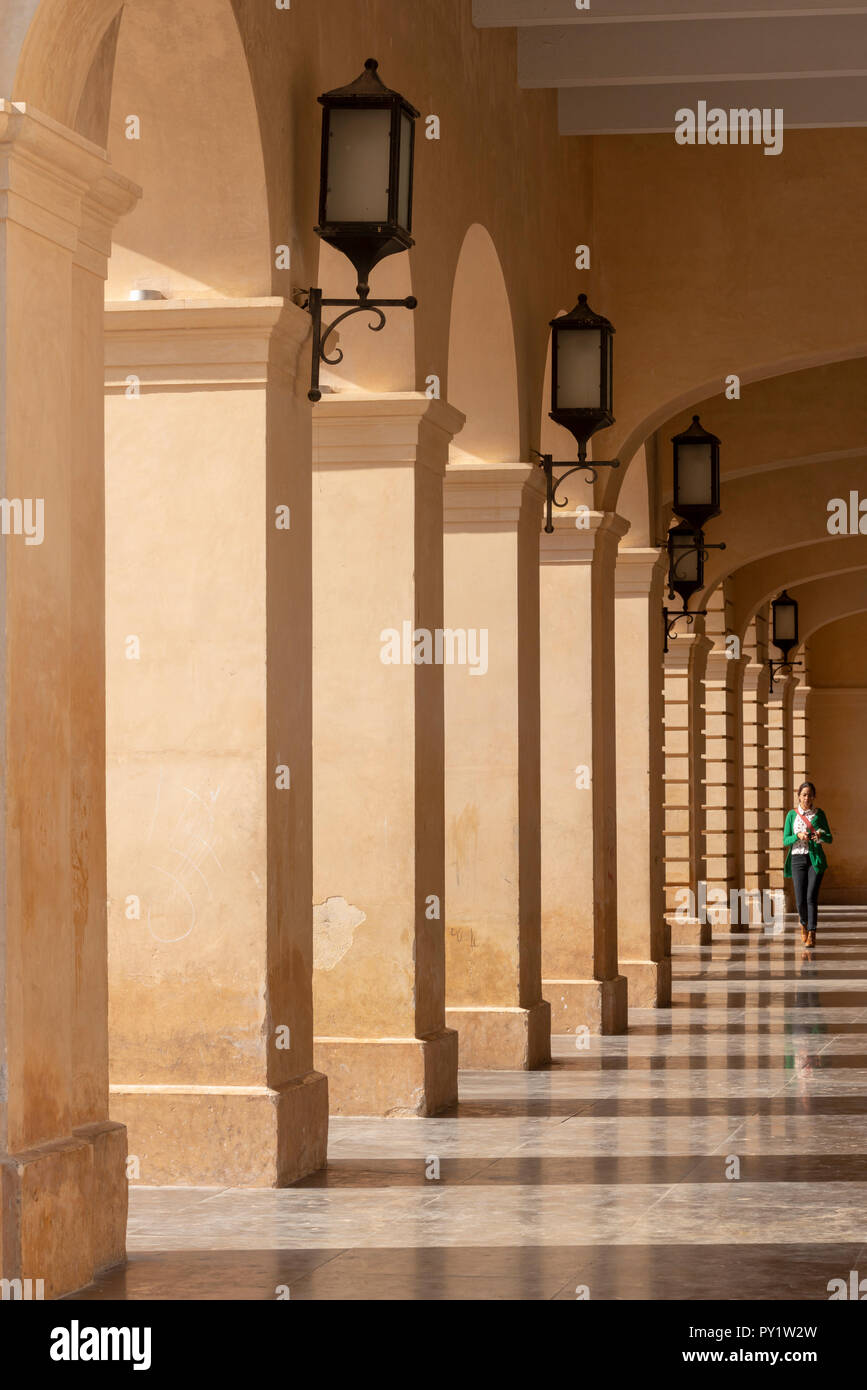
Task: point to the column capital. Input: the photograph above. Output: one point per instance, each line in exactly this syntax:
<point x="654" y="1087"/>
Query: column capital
<point x="755" y="673"/>
<point x="491" y="496"/>
<point x="720" y="665"/>
<point x="108" y="199"/>
<point x="357" y="428"/>
<point x="782" y="685"/>
<point x="201" y="342"/>
<point x="639" y="571"/>
<point x="57" y="184"/>
<point x="579" y="539"/>
<point x="687" y="647"/>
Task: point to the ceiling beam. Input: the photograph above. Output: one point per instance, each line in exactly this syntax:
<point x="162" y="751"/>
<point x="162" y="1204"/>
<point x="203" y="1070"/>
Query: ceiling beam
<point x="821" y="103"/>
<point x="492" y="14"/>
<point x="711" y="51"/>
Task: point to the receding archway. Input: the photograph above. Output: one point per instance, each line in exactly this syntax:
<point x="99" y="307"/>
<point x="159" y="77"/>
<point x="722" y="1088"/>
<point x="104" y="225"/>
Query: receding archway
<point x="201" y="227"/>
<point x="483" y="372"/>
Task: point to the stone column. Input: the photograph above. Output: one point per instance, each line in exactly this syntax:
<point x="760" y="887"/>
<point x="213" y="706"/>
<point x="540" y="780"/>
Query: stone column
<point x="493" y="911"/>
<point x="800" y="736"/>
<point x="379" y="876"/>
<point x="685" y="663"/>
<point x="755" y="762"/>
<point x="800" y="747"/>
<point x="209" y="742"/>
<point x="791" y="777"/>
<point x="580" y="975"/>
<point x="723" y="685"/>
<point x="643" y="933"/>
<point x="62" y="1162"/>
<point x="781" y="796"/>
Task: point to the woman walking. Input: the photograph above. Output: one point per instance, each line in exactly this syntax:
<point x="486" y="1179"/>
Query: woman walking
<point x="805" y="833"/>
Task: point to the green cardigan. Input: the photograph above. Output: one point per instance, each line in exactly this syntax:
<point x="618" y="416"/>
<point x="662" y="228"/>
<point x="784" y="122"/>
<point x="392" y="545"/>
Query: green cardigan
<point x="817" y="854"/>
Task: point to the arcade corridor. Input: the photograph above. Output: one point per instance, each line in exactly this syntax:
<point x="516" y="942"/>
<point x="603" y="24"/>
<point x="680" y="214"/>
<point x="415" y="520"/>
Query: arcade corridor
<point x="607" y="1172"/>
<point x="434" y="565"/>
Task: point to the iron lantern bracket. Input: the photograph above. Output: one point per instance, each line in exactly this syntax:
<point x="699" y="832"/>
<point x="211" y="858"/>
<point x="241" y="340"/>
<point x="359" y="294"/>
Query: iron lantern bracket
<point x="314" y="303"/>
<point x="671" y="618"/>
<point x="704" y="547"/>
<point x="788" y="666"/>
<point x="547" y="463"/>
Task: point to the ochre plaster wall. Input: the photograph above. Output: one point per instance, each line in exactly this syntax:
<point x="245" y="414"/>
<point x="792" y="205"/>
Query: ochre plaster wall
<point x="838" y="752"/>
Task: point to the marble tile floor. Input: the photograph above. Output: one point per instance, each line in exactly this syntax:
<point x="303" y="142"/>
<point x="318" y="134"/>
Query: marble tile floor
<point x="611" y="1171"/>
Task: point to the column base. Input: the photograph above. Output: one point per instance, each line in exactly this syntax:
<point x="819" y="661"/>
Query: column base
<point x="64" y="1208"/>
<point x="511" y="1039"/>
<point x="225" y="1136"/>
<point x="649" y="983"/>
<point x="600" y="1005"/>
<point x="390" y="1076"/>
<point x="690" y="931"/>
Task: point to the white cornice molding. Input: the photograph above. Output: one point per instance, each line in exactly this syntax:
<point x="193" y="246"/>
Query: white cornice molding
<point x="490" y="497"/>
<point x="597" y="537"/>
<point x="220" y="343"/>
<point x="59" y="185"/>
<point x="360" y="429"/>
<point x="640" y="571"/>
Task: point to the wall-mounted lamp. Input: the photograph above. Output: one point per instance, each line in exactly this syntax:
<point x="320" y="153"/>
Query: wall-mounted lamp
<point x="365" y="196"/>
<point x="687" y="552"/>
<point x="696" y="475"/>
<point x="696" y="500"/>
<point x="582" y="401"/>
<point x="785" y="634"/>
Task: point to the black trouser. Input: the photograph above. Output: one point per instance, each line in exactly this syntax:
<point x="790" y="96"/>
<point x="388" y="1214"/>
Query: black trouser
<point x="807" y="884"/>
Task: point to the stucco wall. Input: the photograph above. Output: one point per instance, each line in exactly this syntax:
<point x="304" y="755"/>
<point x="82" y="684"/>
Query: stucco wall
<point x="838" y="764"/>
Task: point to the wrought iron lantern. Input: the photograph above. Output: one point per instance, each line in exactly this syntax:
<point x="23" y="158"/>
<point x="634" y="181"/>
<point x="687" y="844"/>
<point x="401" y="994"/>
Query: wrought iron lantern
<point x="365" y="196"/>
<point x="582" y="401"/>
<point x="687" y="552"/>
<point x="784" y="627"/>
<point x="696" y="474"/>
<point x="582" y="371"/>
<point x="686" y="562"/>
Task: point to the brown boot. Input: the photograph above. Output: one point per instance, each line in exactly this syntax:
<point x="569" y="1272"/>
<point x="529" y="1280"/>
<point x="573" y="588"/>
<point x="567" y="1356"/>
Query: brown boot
<point x="804" y="934"/>
<point x="811" y="938"/>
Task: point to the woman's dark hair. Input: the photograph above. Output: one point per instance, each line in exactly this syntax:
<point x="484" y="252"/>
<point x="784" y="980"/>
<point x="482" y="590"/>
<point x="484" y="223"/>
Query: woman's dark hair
<point x="804" y="786"/>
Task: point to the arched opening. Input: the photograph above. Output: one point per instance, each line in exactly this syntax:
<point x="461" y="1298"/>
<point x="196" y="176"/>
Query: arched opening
<point x="628" y="442"/>
<point x="201" y="227"/>
<point x="483" y="373"/>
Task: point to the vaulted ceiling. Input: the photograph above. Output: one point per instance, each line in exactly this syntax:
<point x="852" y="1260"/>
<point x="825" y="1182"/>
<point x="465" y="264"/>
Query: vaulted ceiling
<point x="626" y="66"/>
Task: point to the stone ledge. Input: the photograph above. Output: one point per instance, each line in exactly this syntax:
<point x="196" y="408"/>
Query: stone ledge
<point x="599" y="1005"/>
<point x="210" y="1136"/>
<point x="390" y="1076"/>
<point x="509" y="1039"/>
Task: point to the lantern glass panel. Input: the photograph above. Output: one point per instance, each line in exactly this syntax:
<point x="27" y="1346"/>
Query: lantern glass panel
<point x="686" y="562"/>
<point x="609" y="378"/>
<point x="405" y="176"/>
<point x="359" y="150"/>
<point x="579" y="369"/>
<point x="694" y="475"/>
<point x="785" y="623"/>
